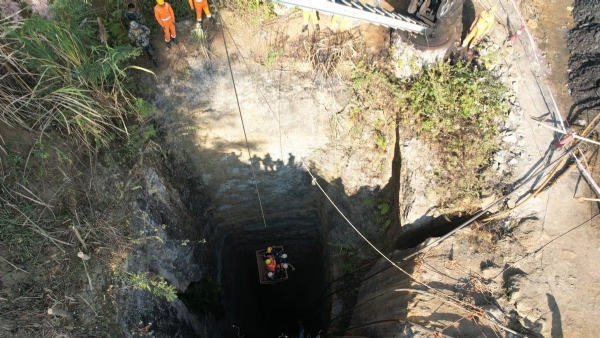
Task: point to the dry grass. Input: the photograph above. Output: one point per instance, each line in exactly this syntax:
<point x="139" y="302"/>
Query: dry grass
<point x="331" y="56"/>
<point x="532" y="11"/>
<point x="53" y="82"/>
<point x="199" y="37"/>
<point x="43" y="201"/>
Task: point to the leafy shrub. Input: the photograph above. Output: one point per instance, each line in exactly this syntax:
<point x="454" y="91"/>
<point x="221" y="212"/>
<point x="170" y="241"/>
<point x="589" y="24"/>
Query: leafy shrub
<point x="382" y="215"/>
<point x="348" y="253"/>
<point x="457" y="108"/>
<point x="158" y="286"/>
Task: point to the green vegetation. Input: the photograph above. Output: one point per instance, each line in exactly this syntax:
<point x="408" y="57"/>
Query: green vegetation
<point x="66" y="98"/>
<point x="59" y="76"/>
<point x="376" y="92"/>
<point x="272" y="56"/>
<point x="381" y="141"/>
<point x="158" y="286"/>
<point x="252" y="11"/>
<point x="382" y="215"/>
<point x="456" y="108"/>
<point x="199" y="38"/>
<point x="452" y="106"/>
<point x="348" y="255"/>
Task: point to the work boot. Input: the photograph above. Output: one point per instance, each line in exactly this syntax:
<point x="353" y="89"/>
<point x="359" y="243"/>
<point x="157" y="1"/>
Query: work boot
<point x="305" y="28"/>
<point x="317" y="27"/>
<point x="213" y="21"/>
<point x="175" y="40"/>
<point x="168" y="44"/>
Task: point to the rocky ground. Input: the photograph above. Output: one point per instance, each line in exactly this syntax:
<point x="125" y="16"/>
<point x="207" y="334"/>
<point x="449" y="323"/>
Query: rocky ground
<point x="533" y="271"/>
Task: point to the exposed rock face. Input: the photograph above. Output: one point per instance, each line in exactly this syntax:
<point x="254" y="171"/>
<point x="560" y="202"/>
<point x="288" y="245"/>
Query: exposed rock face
<point x="584" y="63"/>
<point x="286" y="119"/>
<point x="169" y="244"/>
<point x="378" y="300"/>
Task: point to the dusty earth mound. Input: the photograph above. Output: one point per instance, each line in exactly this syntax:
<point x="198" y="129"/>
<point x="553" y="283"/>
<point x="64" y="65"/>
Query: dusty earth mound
<point x="584" y="42"/>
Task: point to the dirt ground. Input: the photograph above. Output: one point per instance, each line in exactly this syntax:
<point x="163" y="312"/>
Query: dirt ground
<point x="549" y="23"/>
<point x="538" y="263"/>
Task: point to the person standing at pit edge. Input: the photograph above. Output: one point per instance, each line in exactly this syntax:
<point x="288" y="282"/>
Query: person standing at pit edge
<point x="310" y="14"/>
<point x="163" y="12"/>
<point x="201" y="5"/>
<point x="132" y="14"/>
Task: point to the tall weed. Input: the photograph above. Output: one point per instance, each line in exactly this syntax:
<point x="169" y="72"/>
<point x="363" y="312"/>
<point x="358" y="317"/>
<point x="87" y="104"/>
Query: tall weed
<point x="60" y="76"/>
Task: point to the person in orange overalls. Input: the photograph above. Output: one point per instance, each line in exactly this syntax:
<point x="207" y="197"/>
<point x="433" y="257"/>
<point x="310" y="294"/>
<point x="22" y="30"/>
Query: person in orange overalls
<point x="480" y="27"/>
<point x="166" y="19"/>
<point x="201" y="5"/>
<point x="271" y="264"/>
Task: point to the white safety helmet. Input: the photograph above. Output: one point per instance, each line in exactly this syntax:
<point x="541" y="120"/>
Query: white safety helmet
<point x="285" y="265"/>
<point x="270" y="274"/>
<point x="284" y="256"/>
<point x="134" y="24"/>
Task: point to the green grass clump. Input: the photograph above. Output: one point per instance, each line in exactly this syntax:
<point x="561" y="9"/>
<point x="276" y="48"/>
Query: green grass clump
<point x="156" y="285"/>
<point x="454" y="107"/>
<point x="62" y="78"/>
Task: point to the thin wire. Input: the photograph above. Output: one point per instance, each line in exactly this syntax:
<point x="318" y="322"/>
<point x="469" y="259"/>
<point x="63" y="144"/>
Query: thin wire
<point x="533" y="47"/>
<point x="479" y="214"/>
<point x="241" y="117"/>
<point x="557" y="115"/>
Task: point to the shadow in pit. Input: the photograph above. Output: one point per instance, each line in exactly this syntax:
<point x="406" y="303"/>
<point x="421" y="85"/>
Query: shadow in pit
<point x="298" y="217"/>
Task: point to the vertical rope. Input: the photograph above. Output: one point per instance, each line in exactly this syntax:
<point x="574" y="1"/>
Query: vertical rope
<point x="237" y="100"/>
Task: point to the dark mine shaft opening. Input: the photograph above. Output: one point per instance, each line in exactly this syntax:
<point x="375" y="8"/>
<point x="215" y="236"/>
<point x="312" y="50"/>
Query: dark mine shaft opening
<point x="262" y="311"/>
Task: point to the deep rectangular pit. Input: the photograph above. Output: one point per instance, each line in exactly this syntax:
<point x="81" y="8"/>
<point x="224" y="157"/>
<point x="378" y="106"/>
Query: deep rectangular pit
<point x="269" y="310"/>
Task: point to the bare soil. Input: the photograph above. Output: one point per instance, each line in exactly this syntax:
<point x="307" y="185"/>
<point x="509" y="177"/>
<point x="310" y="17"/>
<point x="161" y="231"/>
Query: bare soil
<point x="549" y="22"/>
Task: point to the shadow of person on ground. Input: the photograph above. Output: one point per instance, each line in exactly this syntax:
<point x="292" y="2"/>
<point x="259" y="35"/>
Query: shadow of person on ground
<point x="557" y="331"/>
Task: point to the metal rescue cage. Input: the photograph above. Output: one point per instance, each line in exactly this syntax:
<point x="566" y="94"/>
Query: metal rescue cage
<point x="262" y="268"/>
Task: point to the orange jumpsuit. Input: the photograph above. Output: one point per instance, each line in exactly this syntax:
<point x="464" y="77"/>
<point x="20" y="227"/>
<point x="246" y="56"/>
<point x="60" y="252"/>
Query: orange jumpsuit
<point x="271" y="267"/>
<point x="166" y="19"/>
<point x="200" y="5"/>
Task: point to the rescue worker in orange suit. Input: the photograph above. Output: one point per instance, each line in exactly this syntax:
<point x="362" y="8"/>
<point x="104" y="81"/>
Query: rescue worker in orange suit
<point x="480" y="27"/>
<point x="163" y="12"/>
<point x="199" y="6"/>
<point x="271" y="267"/>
